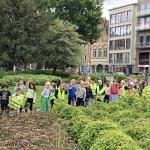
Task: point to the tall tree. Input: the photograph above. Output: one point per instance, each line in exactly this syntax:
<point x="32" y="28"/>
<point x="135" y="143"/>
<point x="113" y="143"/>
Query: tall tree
<point x="86" y="14"/>
<point x="21" y="29"/>
<point x="63" y="43"/>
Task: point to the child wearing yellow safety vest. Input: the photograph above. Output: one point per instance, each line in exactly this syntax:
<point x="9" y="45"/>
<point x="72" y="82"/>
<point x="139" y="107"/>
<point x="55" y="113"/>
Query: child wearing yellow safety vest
<point x="54" y="85"/>
<point x="100" y="91"/>
<point x="17" y="100"/>
<point x="61" y="92"/>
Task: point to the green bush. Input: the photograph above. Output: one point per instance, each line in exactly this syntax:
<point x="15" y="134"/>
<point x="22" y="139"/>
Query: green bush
<point x="92" y="132"/>
<point x="127" y="113"/>
<point x="78" y="127"/>
<point x="116" y="106"/>
<point x="58" y="107"/>
<point x="140" y="129"/>
<point x="11" y="80"/>
<point x="70" y="112"/>
<point x="145" y="144"/>
<point x="100" y="115"/>
<point x="114" y="140"/>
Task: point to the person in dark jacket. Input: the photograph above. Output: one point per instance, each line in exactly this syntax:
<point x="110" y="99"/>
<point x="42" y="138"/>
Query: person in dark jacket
<point x="89" y="95"/>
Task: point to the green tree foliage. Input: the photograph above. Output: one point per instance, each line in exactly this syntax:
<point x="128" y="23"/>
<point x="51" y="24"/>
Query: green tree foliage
<point x="86" y="14"/>
<point x="63" y="45"/>
<point x="21" y="31"/>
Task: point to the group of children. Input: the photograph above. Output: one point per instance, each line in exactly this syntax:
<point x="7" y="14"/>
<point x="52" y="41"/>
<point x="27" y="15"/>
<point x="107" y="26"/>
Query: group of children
<point x="54" y="91"/>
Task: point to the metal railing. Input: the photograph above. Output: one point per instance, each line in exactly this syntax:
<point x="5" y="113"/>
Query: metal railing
<point x="144" y="44"/>
<point x="143" y="13"/>
<point x="143" y="61"/>
<point x="143" y="27"/>
<point x="120" y="60"/>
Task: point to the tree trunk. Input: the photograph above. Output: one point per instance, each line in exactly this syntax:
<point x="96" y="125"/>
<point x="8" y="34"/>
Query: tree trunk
<point x="54" y="69"/>
<point x="39" y="66"/>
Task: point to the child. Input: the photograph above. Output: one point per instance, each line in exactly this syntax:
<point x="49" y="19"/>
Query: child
<point x="89" y="95"/>
<point x="107" y="93"/>
<point x="72" y="93"/>
<point x="44" y="97"/>
<point x="114" y="91"/>
<point x="130" y="89"/>
<point x="5" y="98"/>
<point x="81" y="95"/>
<point x="61" y="92"/>
<point x="20" y="84"/>
<point x="31" y="96"/>
<point x="17" y="100"/>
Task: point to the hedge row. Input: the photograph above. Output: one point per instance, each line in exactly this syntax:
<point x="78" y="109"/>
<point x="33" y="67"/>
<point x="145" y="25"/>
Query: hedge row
<point x="121" y="125"/>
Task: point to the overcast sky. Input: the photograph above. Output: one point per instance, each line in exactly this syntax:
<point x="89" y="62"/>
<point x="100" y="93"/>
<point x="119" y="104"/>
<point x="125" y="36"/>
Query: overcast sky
<point x="109" y="4"/>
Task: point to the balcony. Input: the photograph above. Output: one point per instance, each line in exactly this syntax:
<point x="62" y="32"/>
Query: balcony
<point x="143" y="61"/>
<point x="143" y="45"/>
<point x="142" y="27"/>
<point x="120" y="60"/>
<point x="119" y="47"/>
<point x="143" y="13"/>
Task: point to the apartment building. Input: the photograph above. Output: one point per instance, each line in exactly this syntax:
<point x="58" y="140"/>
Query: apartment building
<point x="122" y="39"/>
<point x="99" y="51"/>
<point x="143" y="36"/>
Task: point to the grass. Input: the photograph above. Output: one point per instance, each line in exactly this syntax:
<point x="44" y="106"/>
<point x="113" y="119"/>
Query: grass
<point x="38" y="95"/>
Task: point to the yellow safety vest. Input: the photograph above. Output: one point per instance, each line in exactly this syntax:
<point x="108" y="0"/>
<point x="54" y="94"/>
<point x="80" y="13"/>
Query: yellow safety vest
<point x="122" y="91"/>
<point x="15" y="103"/>
<point x="93" y="87"/>
<point x="61" y="94"/>
<point x="100" y="97"/>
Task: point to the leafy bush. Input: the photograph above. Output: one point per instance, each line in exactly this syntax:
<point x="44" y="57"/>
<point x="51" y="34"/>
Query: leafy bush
<point x="100" y="115"/>
<point x="114" y="140"/>
<point x="118" y="115"/>
<point x="78" y="125"/>
<point x="116" y="106"/>
<point x="37" y="79"/>
<point x="70" y="112"/>
<point x="58" y="108"/>
<point x="140" y="129"/>
<point x="92" y="132"/>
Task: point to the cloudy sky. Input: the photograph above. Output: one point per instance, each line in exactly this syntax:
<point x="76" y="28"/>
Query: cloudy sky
<point x="109" y="4"/>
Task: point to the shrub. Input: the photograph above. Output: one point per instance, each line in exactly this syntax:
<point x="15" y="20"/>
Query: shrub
<point x="78" y="127"/>
<point x="118" y="115"/>
<point x="100" y="115"/>
<point x="114" y="140"/>
<point x="37" y="79"/>
<point x="58" y="107"/>
<point x="70" y="112"/>
<point x="92" y="132"/>
<point x="140" y="129"/>
<point x="118" y="105"/>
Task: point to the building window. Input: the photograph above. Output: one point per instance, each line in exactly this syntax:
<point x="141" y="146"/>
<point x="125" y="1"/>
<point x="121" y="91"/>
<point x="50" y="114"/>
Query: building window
<point x="141" y="39"/>
<point x="128" y="29"/>
<point x="112" y="19"/>
<point x="110" y="58"/>
<point x="99" y="52"/>
<point x="148" y="22"/>
<point x="142" y="7"/>
<point x="119" y="44"/>
<point x="123" y="30"/>
<point x="118" y="18"/>
<point x="123" y="16"/>
<point x="129" y="15"/>
<point x="94" y="52"/>
<point x="111" y="45"/>
<point x="117" y="31"/>
<point x="112" y="32"/>
<point x="147" y="40"/>
<point x="118" y="58"/>
<point x="105" y="51"/>
<point x="128" y="43"/>
<point x="148" y="6"/>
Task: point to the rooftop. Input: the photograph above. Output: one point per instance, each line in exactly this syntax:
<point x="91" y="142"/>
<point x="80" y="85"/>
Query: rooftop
<point x="123" y="6"/>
